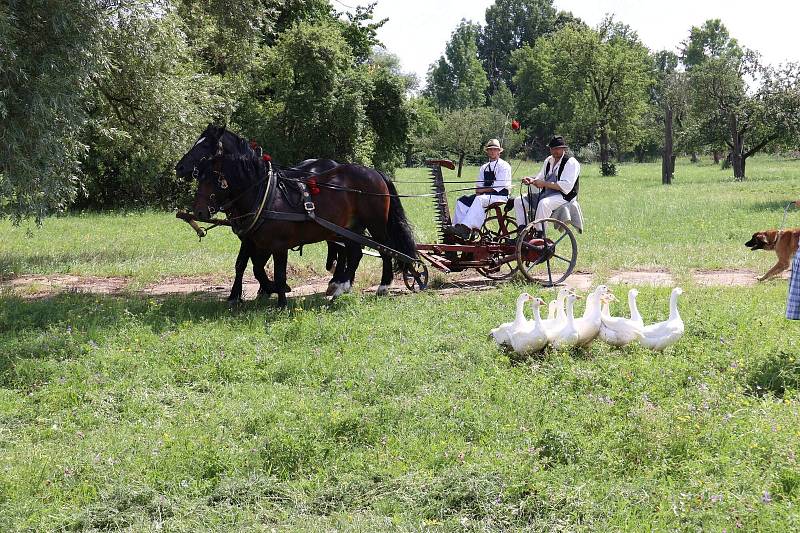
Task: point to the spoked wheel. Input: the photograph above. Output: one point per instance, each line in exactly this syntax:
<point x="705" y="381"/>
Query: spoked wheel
<point x="499" y="230"/>
<point x="415" y="276"/>
<point x="550" y="258"/>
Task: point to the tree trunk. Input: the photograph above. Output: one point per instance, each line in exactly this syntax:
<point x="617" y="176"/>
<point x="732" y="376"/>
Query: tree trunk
<point x="716" y="156"/>
<point x="694" y="158"/>
<point x="460" y="163"/>
<point x="672" y="166"/>
<point x="603" y="146"/>
<point x="667" y="158"/>
<point x="737" y="149"/>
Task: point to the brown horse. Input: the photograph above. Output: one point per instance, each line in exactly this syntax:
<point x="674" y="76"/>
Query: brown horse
<point x="232" y="178"/>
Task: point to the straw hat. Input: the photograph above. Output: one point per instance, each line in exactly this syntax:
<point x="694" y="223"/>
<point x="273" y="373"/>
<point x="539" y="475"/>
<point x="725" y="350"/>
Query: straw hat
<point x="493" y="143"/>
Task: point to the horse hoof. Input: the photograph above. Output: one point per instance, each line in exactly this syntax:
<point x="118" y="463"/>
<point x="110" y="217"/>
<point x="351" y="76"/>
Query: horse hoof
<point x="337" y="289"/>
<point x="383" y="290"/>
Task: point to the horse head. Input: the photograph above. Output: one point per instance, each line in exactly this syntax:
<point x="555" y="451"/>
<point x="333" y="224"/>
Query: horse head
<point x="205" y="147"/>
<point x="224" y="181"/>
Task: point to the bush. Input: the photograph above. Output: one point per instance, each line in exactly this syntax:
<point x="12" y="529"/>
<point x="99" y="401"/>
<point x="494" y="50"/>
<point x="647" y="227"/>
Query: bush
<point x="608" y="169"/>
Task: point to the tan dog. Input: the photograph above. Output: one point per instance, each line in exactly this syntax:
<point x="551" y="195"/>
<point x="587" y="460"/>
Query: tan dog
<point x="784" y="242"/>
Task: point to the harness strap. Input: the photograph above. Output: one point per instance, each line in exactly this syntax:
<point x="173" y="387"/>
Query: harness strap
<point x="263" y="201"/>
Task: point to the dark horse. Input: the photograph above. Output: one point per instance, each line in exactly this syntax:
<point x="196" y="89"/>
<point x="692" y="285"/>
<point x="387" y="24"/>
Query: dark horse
<point x="232" y="177"/>
<point x="336" y="258"/>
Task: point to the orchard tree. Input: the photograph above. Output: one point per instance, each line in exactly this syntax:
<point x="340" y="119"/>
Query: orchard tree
<point x="669" y="94"/>
<point x="752" y="119"/>
<point x="457" y="80"/>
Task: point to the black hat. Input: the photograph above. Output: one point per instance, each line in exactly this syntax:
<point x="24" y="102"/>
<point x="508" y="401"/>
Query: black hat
<point x="557" y="142"/>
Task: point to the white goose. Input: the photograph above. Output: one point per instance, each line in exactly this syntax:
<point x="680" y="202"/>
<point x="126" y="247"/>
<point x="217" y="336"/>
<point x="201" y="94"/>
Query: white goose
<point x="567" y="335"/>
<point x="619" y="331"/>
<point x="501" y="334"/>
<point x="588" y="326"/>
<point x="553" y="325"/>
<point x="551" y="309"/>
<point x="662" y="334"/>
<point x="532" y="337"/>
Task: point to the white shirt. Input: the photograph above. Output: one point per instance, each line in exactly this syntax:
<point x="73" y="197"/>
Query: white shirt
<point x="571" y="172"/>
<point x="502" y="175"/>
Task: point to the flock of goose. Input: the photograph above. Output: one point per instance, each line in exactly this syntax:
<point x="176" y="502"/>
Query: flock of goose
<point x="561" y="328"/>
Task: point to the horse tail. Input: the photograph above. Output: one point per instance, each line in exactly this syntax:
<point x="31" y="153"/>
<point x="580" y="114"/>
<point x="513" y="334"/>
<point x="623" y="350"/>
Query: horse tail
<point x="399" y="230"/>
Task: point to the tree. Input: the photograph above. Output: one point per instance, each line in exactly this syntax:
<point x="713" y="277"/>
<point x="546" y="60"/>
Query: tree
<point x="752" y="119"/>
<point x="457" y="79"/>
<point x="147" y="102"/>
<point x="711" y="40"/>
<point x="510" y="25"/>
<point x="600" y="93"/>
<point x="462" y="132"/>
<point x="47" y="53"/>
<point x="669" y="94"/>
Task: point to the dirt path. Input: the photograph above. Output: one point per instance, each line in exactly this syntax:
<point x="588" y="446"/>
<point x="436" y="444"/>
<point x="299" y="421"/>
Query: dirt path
<point x="43" y="286"/>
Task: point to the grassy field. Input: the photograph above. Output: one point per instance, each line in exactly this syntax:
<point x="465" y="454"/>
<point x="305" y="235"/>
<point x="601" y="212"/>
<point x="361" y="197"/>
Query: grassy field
<point x="365" y="414"/>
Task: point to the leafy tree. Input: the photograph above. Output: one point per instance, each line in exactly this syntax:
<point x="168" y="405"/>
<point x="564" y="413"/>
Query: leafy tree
<point x="711" y="40"/>
<point x="47" y="53"/>
<point x="752" y="119"/>
<point x="424" y="122"/>
<point x="599" y="93"/>
<point x="510" y="25"/>
<point x="148" y="103"/>
<point x="462" y="133"/>
<point x="457" y="79"/>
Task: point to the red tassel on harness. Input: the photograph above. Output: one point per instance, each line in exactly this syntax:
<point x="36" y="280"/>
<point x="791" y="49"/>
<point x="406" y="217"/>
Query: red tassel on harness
<point x="313" y="188"/>
<point x="266" y="158"/>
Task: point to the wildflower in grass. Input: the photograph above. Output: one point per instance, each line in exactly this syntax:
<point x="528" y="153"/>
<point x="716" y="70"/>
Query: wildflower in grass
<point x="716" y="498"/>
<point x="766" y="497"/>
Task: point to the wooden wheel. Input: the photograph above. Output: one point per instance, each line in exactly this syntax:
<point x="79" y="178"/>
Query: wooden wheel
<point x="550" y="258"/>
<point x="415" y="276"/>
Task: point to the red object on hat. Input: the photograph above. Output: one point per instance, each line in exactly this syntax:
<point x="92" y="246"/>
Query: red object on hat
<point x="266" y="157"/>
<point x="515" y="125"/>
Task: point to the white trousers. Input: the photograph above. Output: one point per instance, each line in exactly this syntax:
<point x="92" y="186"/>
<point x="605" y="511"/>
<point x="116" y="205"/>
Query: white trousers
<point x="474" y="215"/>
<point x="544" y="210"/>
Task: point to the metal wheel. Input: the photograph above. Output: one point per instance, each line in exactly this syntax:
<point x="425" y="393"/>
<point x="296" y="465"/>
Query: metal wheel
<point x="415" y="276"/>
<point x="496" y="228"/>
<point x="549" y="259"/>
<point x="501" y="271"/>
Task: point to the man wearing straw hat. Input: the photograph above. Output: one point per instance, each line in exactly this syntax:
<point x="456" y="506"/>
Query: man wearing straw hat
<point x="557" y="182"/>
<point x="493" y="185"/>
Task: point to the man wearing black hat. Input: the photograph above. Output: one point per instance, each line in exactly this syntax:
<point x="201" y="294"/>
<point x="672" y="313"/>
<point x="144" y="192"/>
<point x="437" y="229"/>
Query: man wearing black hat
<point x="557" y="182"/>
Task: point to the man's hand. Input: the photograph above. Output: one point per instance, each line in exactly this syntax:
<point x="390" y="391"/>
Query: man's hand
<point x="539" y="184"/>
<point x="527" y="180"/>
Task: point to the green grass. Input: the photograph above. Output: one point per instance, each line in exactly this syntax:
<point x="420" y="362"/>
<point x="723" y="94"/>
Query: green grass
<point x="701" y="221"/>
<point x="365" y="414"/>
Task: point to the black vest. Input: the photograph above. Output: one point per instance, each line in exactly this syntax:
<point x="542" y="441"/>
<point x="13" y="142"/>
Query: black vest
<point x="574" y="192"/>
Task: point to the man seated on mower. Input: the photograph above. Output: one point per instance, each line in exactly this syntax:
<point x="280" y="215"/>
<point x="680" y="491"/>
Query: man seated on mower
<point x="557" y="182"/>
<point x="494" y="182"/>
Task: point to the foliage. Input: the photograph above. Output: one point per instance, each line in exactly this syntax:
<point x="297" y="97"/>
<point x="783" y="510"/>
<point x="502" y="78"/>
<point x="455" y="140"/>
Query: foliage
<point x="598" y="91"/>
<point x="510" y="25"/>
<point x="148" y="102"/>
<point x="747" y="119"/>
<point x="711" y="40"/>
<point x="457" y="80"/>
<point x="47" y="53"/>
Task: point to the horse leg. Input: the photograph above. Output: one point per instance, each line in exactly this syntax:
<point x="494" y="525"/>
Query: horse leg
<point x="354" y="255"/>
<point x="336" y="285"/>
<point x="265" y="285"/>
<point x="331" y="261"/>
<point x="279" y="261"/>
<point x="387" y="275"/>
<point x="240" y="266"/>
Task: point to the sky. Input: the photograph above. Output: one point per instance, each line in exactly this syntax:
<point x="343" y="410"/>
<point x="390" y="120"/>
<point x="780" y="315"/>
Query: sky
<point x="418" y="30"/>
